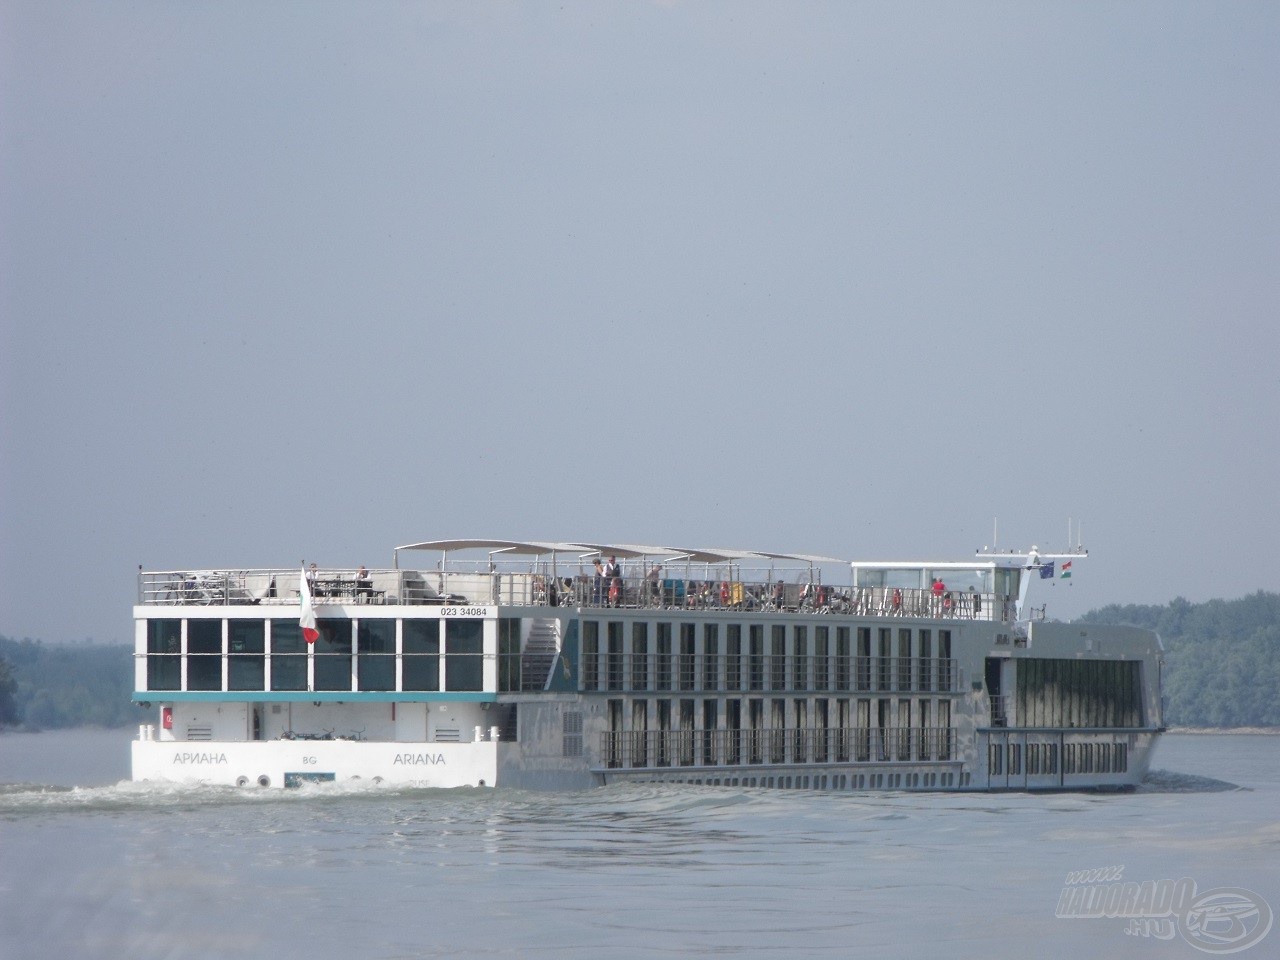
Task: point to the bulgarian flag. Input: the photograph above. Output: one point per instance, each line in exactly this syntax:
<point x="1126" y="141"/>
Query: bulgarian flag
<point x="1066" y="570"/>
<point x="307" y="621"/>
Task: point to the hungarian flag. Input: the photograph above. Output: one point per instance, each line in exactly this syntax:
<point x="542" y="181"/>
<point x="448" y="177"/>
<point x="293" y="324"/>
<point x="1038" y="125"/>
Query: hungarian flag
<point x="308" y="619"/>
<point x="1066" y="570"/>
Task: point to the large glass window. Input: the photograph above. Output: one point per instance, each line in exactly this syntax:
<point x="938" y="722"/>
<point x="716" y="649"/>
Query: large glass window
<point x="778" y="659"/>
<point x="711" y="656"/>
<point x="204" y="654"/>
<point x="376" y="651"/>
<point x="333" y="655"/>
<point x="662" y="672"/>
<point x="590" y="655"/>
<point x="755" y="656"/>
<point x="164" y="654"/>
<point x="640" y="655"/>
<point x="245" y="662"/>
<point x="687" y="663"/>
<point x="421" y="639"/>
<point x="509" y="653"/>
<point x="613" y="665"/>
<point x="464" y="654"/>
<point x="288" y="656"/>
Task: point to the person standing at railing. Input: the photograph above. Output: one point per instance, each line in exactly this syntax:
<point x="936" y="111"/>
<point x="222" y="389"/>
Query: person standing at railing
<point x="613" y="573"/>
<point x="651" y="583"/>
<point x="364" y="585"/>
<point x="597" y="583"/>
<point x="939" y="588"/>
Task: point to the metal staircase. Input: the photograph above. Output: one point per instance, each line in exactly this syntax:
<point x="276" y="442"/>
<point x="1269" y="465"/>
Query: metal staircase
<point x="540" y="651"/>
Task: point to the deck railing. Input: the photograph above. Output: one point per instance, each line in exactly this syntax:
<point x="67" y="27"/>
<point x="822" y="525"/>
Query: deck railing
<point x="639" y="749"/>
<point x="499" y="588"/>
<point x="746" y="672"/>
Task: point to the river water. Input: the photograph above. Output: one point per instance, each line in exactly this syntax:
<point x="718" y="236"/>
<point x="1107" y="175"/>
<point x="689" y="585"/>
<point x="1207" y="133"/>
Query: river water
<point x="94" y="866"/>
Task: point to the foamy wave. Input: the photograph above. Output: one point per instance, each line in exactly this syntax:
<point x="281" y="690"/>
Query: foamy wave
<point x="1169" y="781"/>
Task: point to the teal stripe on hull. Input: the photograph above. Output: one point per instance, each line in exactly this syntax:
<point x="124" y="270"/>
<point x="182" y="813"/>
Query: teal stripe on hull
<point x="303" y="696"/>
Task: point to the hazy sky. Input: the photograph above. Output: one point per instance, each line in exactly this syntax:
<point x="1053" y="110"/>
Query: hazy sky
<point x="293" y="280"/>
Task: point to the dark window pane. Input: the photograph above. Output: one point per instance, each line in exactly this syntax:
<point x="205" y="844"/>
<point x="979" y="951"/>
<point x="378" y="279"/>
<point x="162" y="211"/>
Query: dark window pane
<point x="246" y="636"/>
<point x="464" y="665"/>
<point x="204" y="636"/>
<point x="204" y="673"/>
<point x="164" y="636"/>
<point x="164" y="672"/>
<point x="246" y="671"/>
<point x="376" y="643"/>
<point x="288" y="671"/>
<point x="286" y="637"/>
<point x="421" y="636"/>
<point x="422" y="672"/>
<point x="246" y="640"/>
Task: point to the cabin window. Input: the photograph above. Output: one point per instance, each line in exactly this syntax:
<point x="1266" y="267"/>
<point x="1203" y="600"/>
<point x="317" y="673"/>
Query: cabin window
<point x="844" y="659"/>
<point x="376" y="643"/>
<point x="640" y="655"/>
<point x="464" y="654"/>
<point x="944" y="661"/>
<point x="904" y="660"/>
<point x="924" y="666"/>
<point x="663" y="742"/>
<point x="246" y="664"/>
<point x="688" y="632"/>
<point x="164" y="654"/>
<point x="821" y="664"/>
<point x="508" y="654"/>
<point x="590" y="655"/>
<point x="862" y="666"/>
<point x="333" y="655"/>
<point x="614" y="661"/>
<point x="733" y="656"/>
<point x="733" y="726"/>
<point x="204" y="654"/>
<point x="421" y="661"/>
<point x="778" y="659"/>
<point x="777" y="731"/>
<point x="801" y="734"/>
<point x="711" y="657"/>
<point x="710" y="721"/>
<point x="662" y="673"/>
<point x="686" y="732"/>
<point x="755" y="732"/>
<point x="288" y="656"/>
<point x="755" y="657"/>
<point x="800" y="658"/>
<point x="884" y="670"/>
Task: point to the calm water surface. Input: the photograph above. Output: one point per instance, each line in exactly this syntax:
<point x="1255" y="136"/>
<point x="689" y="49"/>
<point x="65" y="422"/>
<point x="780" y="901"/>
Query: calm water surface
<point x="91" y="866"/>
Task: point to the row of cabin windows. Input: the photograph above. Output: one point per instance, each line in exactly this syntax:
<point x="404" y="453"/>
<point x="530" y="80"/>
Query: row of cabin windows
<point x="1006" y="759"/>
<point x="669" y="656"/>
<point x="733" y="730"/>
<point x="348" y="655"/>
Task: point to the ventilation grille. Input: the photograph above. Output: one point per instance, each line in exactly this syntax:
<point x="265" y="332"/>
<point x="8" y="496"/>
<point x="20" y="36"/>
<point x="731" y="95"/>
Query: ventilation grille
<point x="572" y="733"/>
<point x="448" y="735"/>
<point x="199" y="733"/>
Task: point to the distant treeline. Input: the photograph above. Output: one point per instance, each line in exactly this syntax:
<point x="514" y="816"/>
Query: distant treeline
<point x="1222" y="661"/>
<point x="1222" y="669"/>
<point x="51" y="686"/>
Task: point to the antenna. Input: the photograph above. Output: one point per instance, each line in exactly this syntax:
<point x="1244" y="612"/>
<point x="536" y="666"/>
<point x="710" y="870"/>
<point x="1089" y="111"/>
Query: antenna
<point x="995" y="533"/>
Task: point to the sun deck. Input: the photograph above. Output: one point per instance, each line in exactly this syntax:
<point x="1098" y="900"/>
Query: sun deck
<point x="520" y="574"/>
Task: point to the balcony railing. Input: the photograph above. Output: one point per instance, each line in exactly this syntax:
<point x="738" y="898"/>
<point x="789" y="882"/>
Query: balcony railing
<point x="383" y="586"/>
<point x="642" y="749"/>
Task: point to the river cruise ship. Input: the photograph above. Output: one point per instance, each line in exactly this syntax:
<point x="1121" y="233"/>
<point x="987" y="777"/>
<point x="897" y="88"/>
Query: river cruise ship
<point x="565" y="666"/>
